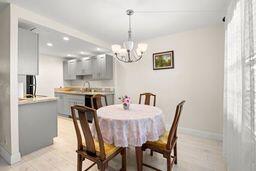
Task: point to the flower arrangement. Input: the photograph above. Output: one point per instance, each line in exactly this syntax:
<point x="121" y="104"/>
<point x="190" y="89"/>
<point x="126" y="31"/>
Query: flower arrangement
<point x="126" y="100"/>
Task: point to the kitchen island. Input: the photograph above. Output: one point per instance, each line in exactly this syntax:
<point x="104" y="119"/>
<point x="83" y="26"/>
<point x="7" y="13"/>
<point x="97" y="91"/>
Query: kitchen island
<point x="37" y="123"/>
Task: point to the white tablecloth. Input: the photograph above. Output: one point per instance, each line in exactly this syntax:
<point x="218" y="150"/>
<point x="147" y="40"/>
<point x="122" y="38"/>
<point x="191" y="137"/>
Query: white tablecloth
<point x="131" y="127"/>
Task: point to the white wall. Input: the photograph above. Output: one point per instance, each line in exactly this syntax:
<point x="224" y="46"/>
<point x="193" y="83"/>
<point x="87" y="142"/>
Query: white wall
<point x="5" y="79"/>
<point x="50" y="75"/>
<point x="196" y="78"/>
<point x="9" y="135"/>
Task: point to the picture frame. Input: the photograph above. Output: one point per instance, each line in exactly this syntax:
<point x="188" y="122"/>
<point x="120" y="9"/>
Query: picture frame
<point x="163" y="60"/>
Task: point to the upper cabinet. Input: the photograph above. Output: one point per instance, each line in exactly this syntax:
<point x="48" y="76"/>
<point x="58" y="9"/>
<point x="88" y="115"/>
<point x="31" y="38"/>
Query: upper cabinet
<point x="69" y="70"/>
<point x="84" y="67"/>
<point x="95" y="68"/>
<point x="28" y="52"/>
<point x="103" y="67"/>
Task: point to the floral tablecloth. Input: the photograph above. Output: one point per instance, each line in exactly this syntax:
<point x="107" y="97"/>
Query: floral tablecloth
<point x="131" y="127"/>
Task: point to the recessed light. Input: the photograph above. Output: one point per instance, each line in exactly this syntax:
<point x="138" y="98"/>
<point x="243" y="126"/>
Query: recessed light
<point x="98" y="49"/>
<point x="82" y="52"/>
<point x="69" y="55"/>
<point x="66" y="38"/>
<point x="49" y="44"/>
<point x="86" y="58"/>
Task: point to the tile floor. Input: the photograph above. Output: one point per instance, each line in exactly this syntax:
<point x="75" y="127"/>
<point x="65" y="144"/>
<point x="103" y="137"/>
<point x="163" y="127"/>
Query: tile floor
<point x="194" y="154"/>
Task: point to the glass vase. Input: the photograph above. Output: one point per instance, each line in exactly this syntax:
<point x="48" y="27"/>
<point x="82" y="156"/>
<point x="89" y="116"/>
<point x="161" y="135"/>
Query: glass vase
<point x="126" y="106"/>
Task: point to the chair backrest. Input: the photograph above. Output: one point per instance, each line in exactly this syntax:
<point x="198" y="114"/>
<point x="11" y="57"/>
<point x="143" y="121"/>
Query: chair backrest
<point x="96" y="101"/>
<point x="173" y="131"/>
<point x="79" y="115"/>
<point x="147" y="98"/>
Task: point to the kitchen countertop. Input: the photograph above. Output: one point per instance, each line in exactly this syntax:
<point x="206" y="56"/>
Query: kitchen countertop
<point x="83" y="93"/>
<point x="38" y="99"/>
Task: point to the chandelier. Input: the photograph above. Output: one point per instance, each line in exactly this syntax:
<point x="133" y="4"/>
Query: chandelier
<point x="127" y="53"/>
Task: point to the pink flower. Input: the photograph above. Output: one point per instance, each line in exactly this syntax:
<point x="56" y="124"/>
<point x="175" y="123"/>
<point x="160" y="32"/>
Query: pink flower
<point x="125" y="100"/>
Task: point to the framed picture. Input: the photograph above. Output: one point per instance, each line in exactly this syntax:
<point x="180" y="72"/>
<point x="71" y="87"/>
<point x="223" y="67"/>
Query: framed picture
<point x="163" y="60"/>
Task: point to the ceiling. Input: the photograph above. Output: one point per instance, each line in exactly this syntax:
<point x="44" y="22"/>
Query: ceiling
<point x="106" y="19"/>
<point x="71" y="48"/>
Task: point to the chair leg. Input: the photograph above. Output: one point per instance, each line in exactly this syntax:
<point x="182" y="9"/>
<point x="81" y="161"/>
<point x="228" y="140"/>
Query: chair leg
<point x="102" y="167"/>
<point x="79" y="162"/>
<point x="175" y="154"/>
<point x="151" y="152"/>
<point x="169" y="163"/>
<point x="123" y="153"/>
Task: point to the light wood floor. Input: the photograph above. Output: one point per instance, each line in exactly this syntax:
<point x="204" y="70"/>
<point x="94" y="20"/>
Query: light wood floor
<point x="194" y="154"/>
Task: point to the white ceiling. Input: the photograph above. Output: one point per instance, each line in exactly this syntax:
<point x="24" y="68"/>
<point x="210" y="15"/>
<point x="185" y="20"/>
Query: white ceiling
<point x="106" y="19"/>
<point x="61" y="48"/>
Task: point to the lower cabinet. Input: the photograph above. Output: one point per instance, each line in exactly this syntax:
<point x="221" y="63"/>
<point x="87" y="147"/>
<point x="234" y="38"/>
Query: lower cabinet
<point x="37" y="126"/>
<point x="65" y="101"/>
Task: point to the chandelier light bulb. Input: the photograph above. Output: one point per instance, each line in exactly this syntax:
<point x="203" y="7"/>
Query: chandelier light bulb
<point x="138" y="51"/>
<point x="123" y="51"/>
<point x="116" y="48"/>
<point x="143" y="47"/>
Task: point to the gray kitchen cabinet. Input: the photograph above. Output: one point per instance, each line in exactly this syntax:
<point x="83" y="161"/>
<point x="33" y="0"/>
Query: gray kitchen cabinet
<point x="28" y="52"/>
<point x="84" y="67"/>
<point x="103" y="67"/>
<point x="60" y="103"/>
<point x="76" y="100"/>
<point x="65" y="101"/>
<point x="37" y="126"/>
<point x="69" y="70"/>
<point x="98" y="68"/>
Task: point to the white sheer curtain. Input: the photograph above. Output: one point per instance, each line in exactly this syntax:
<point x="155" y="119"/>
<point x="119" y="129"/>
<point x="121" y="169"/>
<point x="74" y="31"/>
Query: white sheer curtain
<point x="239" y="138"/>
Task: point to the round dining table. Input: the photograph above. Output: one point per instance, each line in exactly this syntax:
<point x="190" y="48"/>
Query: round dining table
<point x="131" y="128"/>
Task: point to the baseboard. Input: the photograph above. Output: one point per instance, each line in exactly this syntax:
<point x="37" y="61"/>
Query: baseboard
<point x="203" y="134"/>
<point x="10" y="158"/>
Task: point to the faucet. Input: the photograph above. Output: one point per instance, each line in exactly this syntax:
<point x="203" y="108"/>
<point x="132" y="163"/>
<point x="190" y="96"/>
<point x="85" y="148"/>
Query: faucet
<point x="89" y="85"/>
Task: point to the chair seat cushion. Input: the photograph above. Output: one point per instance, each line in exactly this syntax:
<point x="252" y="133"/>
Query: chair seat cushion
<point x="161" y="142"/>
<point x="109" y="148"/>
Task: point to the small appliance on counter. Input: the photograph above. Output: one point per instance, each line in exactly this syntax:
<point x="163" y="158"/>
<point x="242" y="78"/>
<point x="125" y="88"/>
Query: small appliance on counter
<point x="30" y="86"/>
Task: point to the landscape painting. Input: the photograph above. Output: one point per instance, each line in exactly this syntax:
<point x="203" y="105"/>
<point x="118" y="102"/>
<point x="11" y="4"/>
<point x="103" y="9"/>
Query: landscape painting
<point x="163" y="60"/>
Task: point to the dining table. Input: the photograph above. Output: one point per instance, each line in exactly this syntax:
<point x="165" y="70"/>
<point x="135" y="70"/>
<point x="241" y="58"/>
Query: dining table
<point x="132" y="127"/>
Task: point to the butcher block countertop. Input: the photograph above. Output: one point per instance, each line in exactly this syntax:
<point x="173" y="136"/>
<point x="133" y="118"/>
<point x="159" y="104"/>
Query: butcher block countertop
<point x="78" y="91"/>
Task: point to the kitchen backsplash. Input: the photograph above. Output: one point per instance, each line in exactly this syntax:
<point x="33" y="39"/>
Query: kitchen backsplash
<point x="94" y="84"/>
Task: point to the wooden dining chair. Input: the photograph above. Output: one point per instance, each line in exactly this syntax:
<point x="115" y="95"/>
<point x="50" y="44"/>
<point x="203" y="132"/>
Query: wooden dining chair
<point x="148" y="98"/>
<point x="167" y="143"/>
<point x="97" y="151"/>
<point x="96" y="101"/>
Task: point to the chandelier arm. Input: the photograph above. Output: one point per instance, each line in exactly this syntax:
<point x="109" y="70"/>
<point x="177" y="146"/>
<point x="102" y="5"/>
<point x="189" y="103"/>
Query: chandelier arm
<point x="137" y="57"/>
<point x="122" y="59"/>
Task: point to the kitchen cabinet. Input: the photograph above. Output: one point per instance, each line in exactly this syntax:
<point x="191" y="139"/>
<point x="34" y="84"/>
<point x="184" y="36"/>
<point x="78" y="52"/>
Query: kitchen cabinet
<point x="65" y="101"/>
<point x="69" y="70"/>
<point x="98" y="68"/>
<point x="103" y="67"/>
<point x="28" y="52"/>
<point x="60" y="103"/>
<point x="37" y="126"/>
<point x="84" y="67"/>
